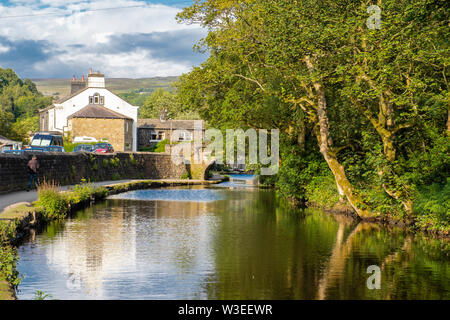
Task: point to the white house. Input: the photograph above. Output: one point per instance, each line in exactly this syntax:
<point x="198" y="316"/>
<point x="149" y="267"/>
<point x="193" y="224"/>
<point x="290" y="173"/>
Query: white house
<point x="85" y="95"/>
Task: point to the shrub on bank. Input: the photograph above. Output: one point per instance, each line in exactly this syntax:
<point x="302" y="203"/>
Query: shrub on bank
<point x="322" y="191"/>
<point x="8" y="254"/>
<point x="55" y="204"/>
<point x="432" y="207"/>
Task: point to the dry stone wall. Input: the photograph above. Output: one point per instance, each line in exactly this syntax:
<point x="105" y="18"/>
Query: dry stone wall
<point x="71" y="168"/>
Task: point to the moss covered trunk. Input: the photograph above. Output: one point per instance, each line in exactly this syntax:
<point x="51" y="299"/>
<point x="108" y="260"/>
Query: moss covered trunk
<point x="325" y="143"/>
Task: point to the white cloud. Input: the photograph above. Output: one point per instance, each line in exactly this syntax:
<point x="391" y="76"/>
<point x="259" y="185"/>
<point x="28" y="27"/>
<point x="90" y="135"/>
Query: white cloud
<point x="82" y="26"/>
<point x="4" y="49"/>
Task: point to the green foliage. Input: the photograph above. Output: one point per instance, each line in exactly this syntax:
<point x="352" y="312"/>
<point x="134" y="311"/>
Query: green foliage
<point x="53" y="202"/>
<point x="185" y="176"/>
<point x="161" y="99"/>
<point x="20" y="103"/>
<point x="40" y="295"/>
<point x="133" y="161"/>
<point x="386" y="93"/>
<point x="80" y="193"/>
<point x="136" y="97"/>
<point x="159" y="147"/>
<point x="114" y="162"/>
<point x="8" y="261"/>
<point x="322" y="190"/>
<point x="8" y="254"/>
<point x="432" y="206"/>
<point x="115" y="176"/>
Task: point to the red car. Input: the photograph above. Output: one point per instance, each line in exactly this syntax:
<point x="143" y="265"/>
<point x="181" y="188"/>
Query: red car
<point x="103" y="148"/>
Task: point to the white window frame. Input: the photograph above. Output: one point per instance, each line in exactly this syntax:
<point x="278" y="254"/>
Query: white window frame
<point x="184" y="136"/>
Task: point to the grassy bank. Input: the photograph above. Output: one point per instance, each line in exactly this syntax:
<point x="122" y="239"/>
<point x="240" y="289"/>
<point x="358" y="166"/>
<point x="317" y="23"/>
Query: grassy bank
<point x="431" y="205"/>
<point x="54" y="204"/>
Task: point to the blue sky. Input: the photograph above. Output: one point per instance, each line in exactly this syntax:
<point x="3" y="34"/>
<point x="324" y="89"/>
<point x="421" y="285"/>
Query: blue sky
<point x="121" y="38"/>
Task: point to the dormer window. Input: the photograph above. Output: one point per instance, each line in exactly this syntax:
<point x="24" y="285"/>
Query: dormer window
<point x="97" y="99"/>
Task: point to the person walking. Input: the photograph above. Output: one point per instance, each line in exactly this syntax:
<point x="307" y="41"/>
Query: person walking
<point x="33" y="167"/>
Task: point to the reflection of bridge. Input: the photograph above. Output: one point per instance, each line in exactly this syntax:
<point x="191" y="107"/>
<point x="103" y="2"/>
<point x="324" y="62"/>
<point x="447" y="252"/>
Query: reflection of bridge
<point x="244" y="178"/>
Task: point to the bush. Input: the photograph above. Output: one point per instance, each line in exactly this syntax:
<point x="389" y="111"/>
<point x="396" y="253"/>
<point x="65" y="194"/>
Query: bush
<point x="52" y="201"/>
<point x="432" y="206"/>
<point x="80" y="193"/>
<point x="322" y="190"/>
<point x="185" y="176"/>
<point x="8" y="260"/>
<point x="159" y="147"/>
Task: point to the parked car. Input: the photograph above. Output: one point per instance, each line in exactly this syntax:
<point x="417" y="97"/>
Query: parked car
<point x="84" y="147"/>
<point x="103" y="148"/>
<point x="36" y="149"/>
<point x="18" y="152"/>
<point x="46" y="139"/>
<point x="55" y="149"/>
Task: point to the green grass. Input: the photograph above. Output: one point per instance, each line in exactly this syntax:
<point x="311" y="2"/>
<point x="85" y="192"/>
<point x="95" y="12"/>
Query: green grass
<point x="159" y="147"/>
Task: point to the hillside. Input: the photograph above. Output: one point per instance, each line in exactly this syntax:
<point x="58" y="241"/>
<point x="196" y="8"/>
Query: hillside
<point x="61" y="87"/>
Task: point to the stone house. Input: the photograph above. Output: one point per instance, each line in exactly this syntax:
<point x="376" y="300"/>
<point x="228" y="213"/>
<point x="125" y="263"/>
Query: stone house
<point x="103" y="124"/>
<point x="152" y="131"/>
<point x="85" y="95"/>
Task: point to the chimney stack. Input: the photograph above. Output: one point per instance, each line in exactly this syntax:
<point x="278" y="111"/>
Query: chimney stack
<point x="77" y="85"/>
<point x="95" y="79"/>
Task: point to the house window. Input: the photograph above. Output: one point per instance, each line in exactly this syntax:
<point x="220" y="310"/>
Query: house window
<point x="184" y="136"/>
<point x="97" y="99"/>
<point x="157" y="136"/>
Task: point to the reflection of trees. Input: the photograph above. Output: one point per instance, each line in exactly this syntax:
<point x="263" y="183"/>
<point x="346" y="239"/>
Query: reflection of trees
<point x="410" y="268"/>
<point x="341" y="251"/>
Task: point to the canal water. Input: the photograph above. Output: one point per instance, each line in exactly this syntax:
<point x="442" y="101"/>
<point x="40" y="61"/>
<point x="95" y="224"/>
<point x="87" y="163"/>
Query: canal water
<point x="229" y="241"/>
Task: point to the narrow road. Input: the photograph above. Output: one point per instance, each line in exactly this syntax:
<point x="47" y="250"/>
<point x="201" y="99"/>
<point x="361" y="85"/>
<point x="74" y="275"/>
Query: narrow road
<point x="12" y="198"/>
<point x="8" y="199"/>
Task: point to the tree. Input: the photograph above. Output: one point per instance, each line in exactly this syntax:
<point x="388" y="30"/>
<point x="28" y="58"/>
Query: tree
<point x="372" y="99"/>
<point x="20" y="102"/>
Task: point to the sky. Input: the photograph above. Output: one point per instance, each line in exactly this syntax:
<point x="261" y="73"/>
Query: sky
<point x="120" y="38"/>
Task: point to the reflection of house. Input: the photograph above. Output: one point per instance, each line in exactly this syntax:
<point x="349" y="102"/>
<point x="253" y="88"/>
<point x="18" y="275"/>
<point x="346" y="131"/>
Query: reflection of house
<point x="93" y="250"/>
<point x="6" y="144"/>
<point x="103" y="107"/>
<point x="152" y="131"/>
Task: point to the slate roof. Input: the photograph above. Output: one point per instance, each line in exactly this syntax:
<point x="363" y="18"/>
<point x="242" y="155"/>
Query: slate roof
<point x="176" y="124"/>
<point x="97" y="111"/>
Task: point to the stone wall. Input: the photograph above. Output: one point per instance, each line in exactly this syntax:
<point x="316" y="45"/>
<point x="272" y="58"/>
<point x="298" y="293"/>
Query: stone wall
<point x="70" y="168"/>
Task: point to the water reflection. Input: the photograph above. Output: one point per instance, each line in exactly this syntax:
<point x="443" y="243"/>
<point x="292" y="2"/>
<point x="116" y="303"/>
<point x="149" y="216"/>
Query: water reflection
<point x="231" y="244"/>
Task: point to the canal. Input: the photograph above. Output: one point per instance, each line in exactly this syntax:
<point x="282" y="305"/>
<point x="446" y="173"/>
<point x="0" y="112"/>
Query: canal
<point x="229" y="241"/>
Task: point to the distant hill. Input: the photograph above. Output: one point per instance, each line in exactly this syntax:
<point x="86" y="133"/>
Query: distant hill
<point x="61" y="87"/>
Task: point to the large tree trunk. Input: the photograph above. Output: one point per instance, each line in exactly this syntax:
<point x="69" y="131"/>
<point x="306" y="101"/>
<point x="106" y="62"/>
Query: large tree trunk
<point x="325" y="143"/>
